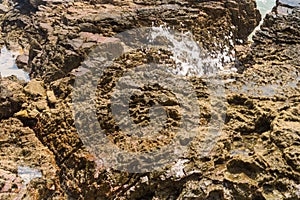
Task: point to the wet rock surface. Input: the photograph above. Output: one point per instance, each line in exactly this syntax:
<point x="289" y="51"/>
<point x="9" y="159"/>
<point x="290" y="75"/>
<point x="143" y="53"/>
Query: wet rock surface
<point x="256" y="155"/>
<point x="71" y="29"/>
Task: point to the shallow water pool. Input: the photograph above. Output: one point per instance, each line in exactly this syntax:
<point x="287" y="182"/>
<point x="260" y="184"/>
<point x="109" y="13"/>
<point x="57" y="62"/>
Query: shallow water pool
<point x="8" y="65"/>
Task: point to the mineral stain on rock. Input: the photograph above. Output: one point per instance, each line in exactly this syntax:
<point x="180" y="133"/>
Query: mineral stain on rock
<point x="256" y="152"/>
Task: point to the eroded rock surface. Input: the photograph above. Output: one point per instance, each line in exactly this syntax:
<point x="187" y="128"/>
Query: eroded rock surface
<point x="28" y="168"/>
<point x="256" y="155"/>
<point x="12" y="97"/>
<point x="71" y="29"/>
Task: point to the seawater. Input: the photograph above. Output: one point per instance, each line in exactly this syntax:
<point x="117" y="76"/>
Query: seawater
<point x="187" y="54"/>
<point x="190" y="59"/>
<point x="264" y="7"/>
<point x="8" y="65"/>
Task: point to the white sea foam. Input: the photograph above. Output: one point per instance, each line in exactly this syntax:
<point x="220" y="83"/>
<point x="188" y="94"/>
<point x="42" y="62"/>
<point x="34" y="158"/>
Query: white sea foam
<point x="190" y="59"/>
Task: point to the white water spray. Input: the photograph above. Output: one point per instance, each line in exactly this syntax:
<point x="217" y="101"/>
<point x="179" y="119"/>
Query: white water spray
<point x="190" y="59"/>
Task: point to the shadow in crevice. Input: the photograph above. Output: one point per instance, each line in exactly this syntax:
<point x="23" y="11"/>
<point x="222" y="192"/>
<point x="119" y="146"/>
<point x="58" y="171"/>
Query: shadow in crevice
<point x="25" y="7"/>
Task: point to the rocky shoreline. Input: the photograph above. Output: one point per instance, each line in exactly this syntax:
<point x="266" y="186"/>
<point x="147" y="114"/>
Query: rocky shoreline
<point x="256" y="155"/>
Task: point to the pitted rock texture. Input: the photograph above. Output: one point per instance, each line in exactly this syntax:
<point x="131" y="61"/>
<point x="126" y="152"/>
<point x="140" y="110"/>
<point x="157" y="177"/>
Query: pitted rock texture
<point x="21" y="150"/>
<point x="71" y="29"/>
<point x="12" y="97"/>
<point x="256" y="155"/>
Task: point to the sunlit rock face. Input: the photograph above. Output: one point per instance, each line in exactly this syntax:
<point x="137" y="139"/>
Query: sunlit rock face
<point x="28" y="168"/>
<point x="256" y="153"/>
<point x="215" y="25"/>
